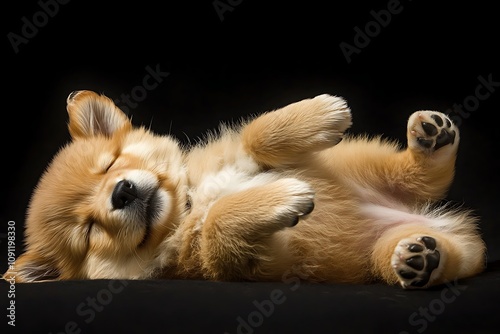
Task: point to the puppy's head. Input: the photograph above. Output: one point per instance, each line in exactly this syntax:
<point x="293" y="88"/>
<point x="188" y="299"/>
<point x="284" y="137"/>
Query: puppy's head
<point x="105" y="202"/>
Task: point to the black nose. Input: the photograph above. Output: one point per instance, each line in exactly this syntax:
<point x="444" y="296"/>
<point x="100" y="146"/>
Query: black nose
<point x="124" y="194"/>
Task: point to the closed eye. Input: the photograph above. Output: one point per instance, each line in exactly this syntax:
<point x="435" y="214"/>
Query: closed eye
<point x="109" y="166"/>
<point x="106" y="164"/>
<point x="103" y="163"/>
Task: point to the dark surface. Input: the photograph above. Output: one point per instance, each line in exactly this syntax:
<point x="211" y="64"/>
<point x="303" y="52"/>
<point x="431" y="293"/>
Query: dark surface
<point x="259" y="57"/>
<point x="102" y="306"/>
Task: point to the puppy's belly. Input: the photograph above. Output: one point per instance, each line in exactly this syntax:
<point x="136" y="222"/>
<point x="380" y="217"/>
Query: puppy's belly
<point x="384" y="210"/>
<point x="384" y="217"/>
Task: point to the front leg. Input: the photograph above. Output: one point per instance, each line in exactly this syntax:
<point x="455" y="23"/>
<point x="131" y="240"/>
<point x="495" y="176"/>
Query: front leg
<point x="284" y="136"/>
<point x="237" y="231"/>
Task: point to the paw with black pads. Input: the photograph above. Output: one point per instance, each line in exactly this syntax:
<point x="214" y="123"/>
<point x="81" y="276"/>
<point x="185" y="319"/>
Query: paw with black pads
<point x="430" y="131"/>
<point x="414" y="261"/>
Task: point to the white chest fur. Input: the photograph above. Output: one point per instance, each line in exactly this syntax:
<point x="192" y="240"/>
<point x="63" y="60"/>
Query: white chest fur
<point x="229" y="180"/>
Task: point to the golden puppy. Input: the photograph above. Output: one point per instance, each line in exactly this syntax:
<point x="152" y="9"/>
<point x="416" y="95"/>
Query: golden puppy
<point x="277" y="193"/>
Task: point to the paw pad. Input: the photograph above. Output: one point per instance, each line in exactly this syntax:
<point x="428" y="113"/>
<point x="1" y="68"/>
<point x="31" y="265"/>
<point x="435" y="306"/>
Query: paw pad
<point x="431" y="130"/>
<point x="414" y="260"/>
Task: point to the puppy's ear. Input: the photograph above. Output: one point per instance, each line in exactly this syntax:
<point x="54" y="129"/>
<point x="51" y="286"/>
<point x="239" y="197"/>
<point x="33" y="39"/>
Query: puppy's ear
<point x="31" y="268"/>
<point x="91" y="114"/>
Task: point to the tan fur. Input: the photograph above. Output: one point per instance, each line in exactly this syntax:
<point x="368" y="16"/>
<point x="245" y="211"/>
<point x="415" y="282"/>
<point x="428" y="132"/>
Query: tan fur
<point x="226" y="209"/>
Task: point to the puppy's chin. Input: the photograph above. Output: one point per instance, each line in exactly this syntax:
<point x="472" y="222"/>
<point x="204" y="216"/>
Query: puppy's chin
<point x="142" y="222"/>
<point x="156" y="213"/>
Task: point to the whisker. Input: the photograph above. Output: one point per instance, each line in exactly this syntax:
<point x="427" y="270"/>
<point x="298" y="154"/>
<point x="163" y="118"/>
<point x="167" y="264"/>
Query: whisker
<point x="139" y="260"/>
<point x="150" y="123"/>
<point x="187" y="137"/>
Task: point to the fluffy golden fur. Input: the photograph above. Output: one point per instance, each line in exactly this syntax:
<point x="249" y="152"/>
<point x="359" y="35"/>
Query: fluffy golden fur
<point x="284" y="193"/>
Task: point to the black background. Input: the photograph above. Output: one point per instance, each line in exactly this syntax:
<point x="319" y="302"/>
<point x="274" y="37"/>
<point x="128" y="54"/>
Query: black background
<point x="258" y="57"/>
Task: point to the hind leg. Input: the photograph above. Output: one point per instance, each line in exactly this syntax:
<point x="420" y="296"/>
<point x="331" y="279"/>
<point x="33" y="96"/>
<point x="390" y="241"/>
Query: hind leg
<point x="420" y="173"/>
<point x="285" y="136"/>
<point x="417" y="256"/>
<point x="432" y="133"/>
<point x="432" y="147"/>
<point x="441" y="248"/>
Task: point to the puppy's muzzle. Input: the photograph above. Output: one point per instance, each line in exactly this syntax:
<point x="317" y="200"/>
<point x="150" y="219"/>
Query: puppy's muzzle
<point x="124" y="194"/>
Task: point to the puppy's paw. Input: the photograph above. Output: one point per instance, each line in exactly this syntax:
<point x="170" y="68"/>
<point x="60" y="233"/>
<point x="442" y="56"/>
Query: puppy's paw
<point x="330" y="117"/>
<point x="298" y="201"/>
<point x="429" y="131"/>
<point x="414" y="260"/>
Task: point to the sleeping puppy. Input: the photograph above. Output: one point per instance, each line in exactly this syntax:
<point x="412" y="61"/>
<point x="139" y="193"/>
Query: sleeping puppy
<point x="281" y="191"/>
